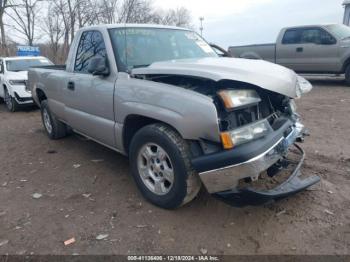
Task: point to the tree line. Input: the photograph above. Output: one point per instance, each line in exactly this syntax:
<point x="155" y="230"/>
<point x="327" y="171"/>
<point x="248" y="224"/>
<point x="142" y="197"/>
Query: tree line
<point x="52" y="24"/>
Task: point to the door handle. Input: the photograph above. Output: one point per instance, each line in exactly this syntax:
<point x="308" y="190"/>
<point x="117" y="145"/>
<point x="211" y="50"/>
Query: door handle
<point x="300" y="49"/>
<point x="71" y="86"/>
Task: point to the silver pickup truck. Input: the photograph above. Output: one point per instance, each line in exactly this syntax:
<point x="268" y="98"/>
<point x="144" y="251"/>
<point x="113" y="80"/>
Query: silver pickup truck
<point x="316" y="49"/>
<point x="184" y="116"/>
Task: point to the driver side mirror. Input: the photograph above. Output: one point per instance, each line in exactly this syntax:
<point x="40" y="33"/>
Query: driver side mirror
<point x="98" y="66"/>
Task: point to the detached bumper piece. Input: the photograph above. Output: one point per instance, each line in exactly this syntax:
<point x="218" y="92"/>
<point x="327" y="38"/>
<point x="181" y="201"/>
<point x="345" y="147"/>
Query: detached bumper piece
<point x="249" y="196"/>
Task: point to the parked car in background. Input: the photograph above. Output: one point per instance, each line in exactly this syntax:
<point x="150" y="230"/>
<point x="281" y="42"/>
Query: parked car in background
<point x="183" y="115"/>
<point x="315" y="49"/>
<point x="13" y="80"/>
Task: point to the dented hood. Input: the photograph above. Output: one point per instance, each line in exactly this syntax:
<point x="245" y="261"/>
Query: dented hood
<point x="257" y="72"/>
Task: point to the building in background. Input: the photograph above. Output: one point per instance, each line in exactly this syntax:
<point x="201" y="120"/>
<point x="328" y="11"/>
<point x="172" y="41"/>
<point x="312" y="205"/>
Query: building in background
<point x="346" y="19"/>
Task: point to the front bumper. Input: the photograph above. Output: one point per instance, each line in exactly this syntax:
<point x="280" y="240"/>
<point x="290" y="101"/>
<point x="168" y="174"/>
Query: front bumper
<point x="24" y="100"/>
<point x="249" y="196"/>
<point x="249" y="161"/>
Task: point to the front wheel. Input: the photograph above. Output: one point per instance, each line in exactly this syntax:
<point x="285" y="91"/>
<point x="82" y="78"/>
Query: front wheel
<point x="10" y="102"/>
<point x="161" y="167"/>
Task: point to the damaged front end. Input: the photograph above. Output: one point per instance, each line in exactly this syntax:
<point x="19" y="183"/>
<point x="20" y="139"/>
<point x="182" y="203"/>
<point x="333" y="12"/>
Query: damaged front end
<point x="259" y="132"/>
<point x="234" y="183"/>
<point x="259" y="128"/>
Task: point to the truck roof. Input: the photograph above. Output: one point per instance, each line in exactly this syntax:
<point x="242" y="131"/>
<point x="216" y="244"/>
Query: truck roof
<point x="302" y="26"/>
<point x="22" y="57"/>
<point x="109" y="26"/>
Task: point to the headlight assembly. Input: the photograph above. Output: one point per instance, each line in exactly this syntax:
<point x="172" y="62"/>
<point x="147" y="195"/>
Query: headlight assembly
<point x="245" y="134"/>
<point x="236" y="99"/>
<point x="17" y="82"/>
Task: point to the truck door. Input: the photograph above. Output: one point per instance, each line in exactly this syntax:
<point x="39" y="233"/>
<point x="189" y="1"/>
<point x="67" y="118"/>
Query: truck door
<point x="89" y="99"/>
<point x="309" y="49"/>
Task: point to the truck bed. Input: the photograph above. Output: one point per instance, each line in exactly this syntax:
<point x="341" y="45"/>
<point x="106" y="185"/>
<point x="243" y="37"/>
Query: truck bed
<point x="263" y="51"/>
<point x="51" y="78"/>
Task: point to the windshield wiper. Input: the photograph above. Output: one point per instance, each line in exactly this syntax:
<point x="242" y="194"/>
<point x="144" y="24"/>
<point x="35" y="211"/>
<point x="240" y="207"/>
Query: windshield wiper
<point x="139" y="66"/>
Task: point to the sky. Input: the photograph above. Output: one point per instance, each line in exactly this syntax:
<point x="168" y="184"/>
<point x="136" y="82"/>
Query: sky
<point x="240" y="22"/>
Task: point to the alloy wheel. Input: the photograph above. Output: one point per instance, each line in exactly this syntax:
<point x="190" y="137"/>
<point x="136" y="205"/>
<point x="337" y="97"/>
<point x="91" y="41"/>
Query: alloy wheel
<point x="47" y="121"/>
<point x="155" y="169"/>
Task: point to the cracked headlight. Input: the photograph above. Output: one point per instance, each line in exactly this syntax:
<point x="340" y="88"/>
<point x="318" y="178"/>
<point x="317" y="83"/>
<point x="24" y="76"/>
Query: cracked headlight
<point x="245" y="134"/>
<point x="236" y="99"/>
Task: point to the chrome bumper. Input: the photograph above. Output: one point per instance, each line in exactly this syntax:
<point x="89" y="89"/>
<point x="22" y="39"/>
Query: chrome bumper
<point x="227" y="178"/>
<point x="251" y="197"/>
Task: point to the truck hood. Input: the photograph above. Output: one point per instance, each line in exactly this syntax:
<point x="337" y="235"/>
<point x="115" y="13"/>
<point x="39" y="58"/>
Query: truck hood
<point x="21" y="75"/>
<point x="256" y="72"/>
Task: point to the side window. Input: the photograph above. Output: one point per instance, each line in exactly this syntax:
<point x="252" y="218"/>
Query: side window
<point x="327" y="38"/>
<point x="311" y="36"/>
<point x="317" y="36"/>
<point x="1" y="67"/>
<point x="292" y="36"/>
<point x="91" y="45"/>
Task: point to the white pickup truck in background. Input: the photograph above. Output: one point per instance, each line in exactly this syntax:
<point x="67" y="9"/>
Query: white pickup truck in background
<point x="13" y="80"/>
<point x="313" y="49"/>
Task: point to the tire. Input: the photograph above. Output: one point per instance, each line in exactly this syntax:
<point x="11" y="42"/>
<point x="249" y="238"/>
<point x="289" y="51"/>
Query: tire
<point x="347" y="75"/>
<point x="149" y="144"/>
<point x="10" y="103"/>
<point x="54" y="128"/>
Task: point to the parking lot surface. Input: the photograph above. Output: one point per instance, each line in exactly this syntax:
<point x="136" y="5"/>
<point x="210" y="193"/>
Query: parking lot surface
<point x="52" y="191"/>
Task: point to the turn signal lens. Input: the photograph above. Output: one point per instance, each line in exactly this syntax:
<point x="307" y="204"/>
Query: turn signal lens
<point x="226" y="99"/>
<point x="245" y="134"/>
<point x="226" y="140"/>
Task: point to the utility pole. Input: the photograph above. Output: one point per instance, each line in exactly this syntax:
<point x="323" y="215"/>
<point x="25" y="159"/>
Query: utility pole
<point x="346" y="19"/>
<point x="201" y="28"/>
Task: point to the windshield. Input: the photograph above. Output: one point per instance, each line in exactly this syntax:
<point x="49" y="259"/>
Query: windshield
<point x="340" y="31"/>
<point x="140" y="47"/>
<point x="25" y="64"/>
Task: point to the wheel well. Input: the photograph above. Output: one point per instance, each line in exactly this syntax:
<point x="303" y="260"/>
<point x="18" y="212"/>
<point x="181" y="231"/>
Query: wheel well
<point x="41" y="95"/>
<point x="134" y="123"/>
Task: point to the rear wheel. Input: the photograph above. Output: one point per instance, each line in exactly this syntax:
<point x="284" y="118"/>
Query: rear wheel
<point x="161" y="167"/>
<point x="10" y="102"/>
<point x="54" y="128"/>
